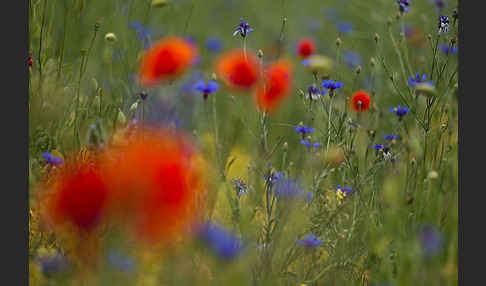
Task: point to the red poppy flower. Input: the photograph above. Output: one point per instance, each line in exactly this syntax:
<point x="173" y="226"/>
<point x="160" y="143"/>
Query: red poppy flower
<point x="165" y="60"/>
<point x="79" y="197"/>
<point x="158" y="183"/>
<point x="360" y="97"/>
<point x="305" y="48"/>
<point x="274" y="90"/>
<point x="237" y="70"/>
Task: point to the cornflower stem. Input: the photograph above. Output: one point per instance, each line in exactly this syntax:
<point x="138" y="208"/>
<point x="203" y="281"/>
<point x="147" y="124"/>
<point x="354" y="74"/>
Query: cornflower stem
<point x="265" y="131"/>
<point x="405" y="46"/>
<point x="244" y="48"/>
<point x="329" y="125"/>
<point x="282" y="32"/>
<point x="442" y="70"/>
<point x="434" y="58"/>
<point x="216" y="136"/>
<point x="76" y="141"/>
<point x="61" y="53"/>
<point x="399" y="54"/>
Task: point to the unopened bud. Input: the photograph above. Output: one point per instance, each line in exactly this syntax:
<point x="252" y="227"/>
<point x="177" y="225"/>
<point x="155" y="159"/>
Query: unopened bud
<point x="432" y="175"/>
<point x="286" y="145"/>
<point x="389" y="21"/>
<point x="358" y="70"/>
<point x="121" y="119"/>
<point x="453" y="39"/>
<point x="134" y="106"/>
<point x="214" y="76"/>
<point x="372" y="62"/>
<point x="338" y="42"/>
<point x="110" y="37"/>
<point x="377" y="37"/>
<point x="97" y="25"/>
<point x="160" y="3"/>
<point x="260" y="53"/>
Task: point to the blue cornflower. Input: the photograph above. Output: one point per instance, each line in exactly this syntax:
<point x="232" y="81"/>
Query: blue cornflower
<point x="243" y="29"/>
<point x="223" y="243"/>
<point x="188" y="86"/>
<point x="309" y="241"/>
<point x="342" y="193"/>
<point x="403" y="5"/>
<point x="351" y="59"/>
<point x="143" y="33"/>
<point x="432" y="241"/>
<point x="443" y="24"/>
<point x="331" y="85"/>
<point x="124" y="263"/>
<point x="273" y="176"/>
<point x="52" y="160"/>
<point x="448" y="49"/>
<point x="51" y="264"/>
<point x="381" y="147"/>
<point x="413" y="81"/>
<point x="385" y="150"/>
<point x="309" y="196"/>
<point x="287" y="189"/>
<point x="314" y="25"/>
<point x="206" y="89"/>
<point x="400" y="111"/>
<point x="391" y="137"/>
<point x="214" y="44"/>
<point x="345" y="27"/>
<point x="239" y="186"/>
<point x="307" y="143"/>
<point x="304" y="130"/>
<point x="438" y="3"/>
<point x="313" y="92"/>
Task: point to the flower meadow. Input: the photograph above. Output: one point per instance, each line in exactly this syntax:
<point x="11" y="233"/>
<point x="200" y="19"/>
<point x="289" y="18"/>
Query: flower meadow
<point x="231" y="142"/>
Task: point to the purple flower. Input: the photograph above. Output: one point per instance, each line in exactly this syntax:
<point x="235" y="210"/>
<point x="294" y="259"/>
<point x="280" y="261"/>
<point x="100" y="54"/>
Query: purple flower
<point x="400" y="111"/>
<point x="120" y="261"/>
<point x="51" y="264"/>
<point x="331" y="85"/>
<point x="351" y="59"/>
<point x="143" y="33"/>
<point x="52" y="160"/>
<point x="443" y="24"/>
<point x="206" y="89"/>
<point x="403" y="5"/>
<point x="222" y="243"/>
<point x="448" y="49"/>
<point x="309" y="196"/>
<point x="214" y="44"/>
<point x="431" y="240"/>
<point x="345" y="27"/>
<point x="304" y="130"/>
<point x="314" y="92"/>
<point x="243" y="29"/>
<point x="287" y="189"/>
<point x="391" y="137"/>
<point x="413" y="81"/>
<point x="438" y="3"/>
<point x="309" y="241"/>
<point x="382" y="147"/>
<point x="308" y="144"/>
